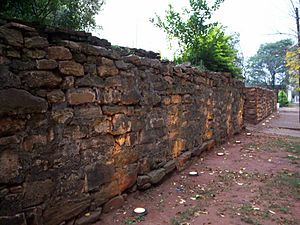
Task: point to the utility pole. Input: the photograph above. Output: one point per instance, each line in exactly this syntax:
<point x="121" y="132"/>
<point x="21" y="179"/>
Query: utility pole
<point x="298" y="37"/>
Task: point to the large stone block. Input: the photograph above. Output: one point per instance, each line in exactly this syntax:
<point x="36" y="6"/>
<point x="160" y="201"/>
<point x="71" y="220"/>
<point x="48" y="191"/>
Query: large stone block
<point x="14" y="101"/>
<point x="98" y="174"/>
<point x="105" y="70"/>
<point x="92" y="112"/>
<point x="36" y="79"/>
<point x="46" y="64"/>
<point x="36" y="42"/>
<point x="106" y="192"/>
<point x="12" y="37"/>
<point x="65" y="210"/>
<point x="157" y="175"/>
<point x="90" y="81"/>
<point x="59" y="53"/>
<point x="80" y="96"/>
<point x="71" y="68"/>
<point x="114" y="203"/>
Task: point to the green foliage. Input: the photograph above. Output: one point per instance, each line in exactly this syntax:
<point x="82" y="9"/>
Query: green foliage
<point x="75" y="14"/>
<point x="282" y="99"/>
<point x="293" y="64"/>
<point x="201" y="42"/>
<point x="267" y="67"/>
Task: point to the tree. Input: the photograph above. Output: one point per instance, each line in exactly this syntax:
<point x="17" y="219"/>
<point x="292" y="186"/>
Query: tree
<point x="201" y="42"/>
<point x="293" y="65"/>
<point x="75" y="14"/>
<point x="282" y="99"/>
<point x="267" y="67"/>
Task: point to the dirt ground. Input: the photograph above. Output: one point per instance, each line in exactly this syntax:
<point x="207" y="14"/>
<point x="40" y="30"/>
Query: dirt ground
<point x="254" y="182"/>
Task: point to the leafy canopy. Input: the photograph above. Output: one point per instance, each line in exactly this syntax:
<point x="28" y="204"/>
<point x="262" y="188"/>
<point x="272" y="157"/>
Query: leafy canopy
<point x="202" y="42"/>
<point x="75" y="14"/>
<point x="267" y="67"/>
<point x="293" y="65"/>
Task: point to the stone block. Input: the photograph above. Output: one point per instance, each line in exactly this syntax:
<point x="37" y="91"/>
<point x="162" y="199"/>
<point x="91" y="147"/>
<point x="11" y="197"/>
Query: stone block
<point x="11" y="126"/>
<point x="90" y="69"/>
<point x="142" y="180"/>
<point x="97" y="175"/>
<point x="92" y="112"/>
<point x="62" y="116"/>
<point x="90" y="81"/>
<point x="102" y="126"/>
<point x="18" y="219"/>
<point x="12" y="37"/>
<point x="46" y="64"/>
<point x="10" y="167"/>
<point x="157" y="175"/>
<point x="121" y="124"/>
<point x="131" y="97"/>
<point x="99" y="142"/>
<point x="114" y="203"/>
<point x="59" y="53"/>
<point x="37" y="192"/>
<point x="106" y="192"/>
<point x="170" y="166"/>
<point x="36" y="42"/>
<point x="34" y="140"/>
<point x="15" y="101"/>
<point x="121" y="65"/>
<point x="65" y="210"/>
<point x="68" y="82"/>
<point x="80" y="96"/>
<point x="35" y="54"/>
<point x="36" y="79"/>
<point x="126" y="177"/>
<point x="71" y="68"/>
<point x="113" y="110"/>
<point x="8" y="79"/>
<point x="56" y="96"/>
<point x="183" y="160"/>
<point x="105" y="70"/>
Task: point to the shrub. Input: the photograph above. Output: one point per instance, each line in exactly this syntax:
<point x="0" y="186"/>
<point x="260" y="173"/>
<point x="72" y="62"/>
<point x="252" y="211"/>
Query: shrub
<point x="282" y="99"/>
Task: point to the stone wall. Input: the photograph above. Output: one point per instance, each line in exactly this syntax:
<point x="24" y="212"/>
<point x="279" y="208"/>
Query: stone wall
<point x="259" y="104"/>
<point x="82" y="122"/>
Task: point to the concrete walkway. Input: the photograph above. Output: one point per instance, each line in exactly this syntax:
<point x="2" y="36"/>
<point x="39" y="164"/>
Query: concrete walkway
<point x="283" y="122"/>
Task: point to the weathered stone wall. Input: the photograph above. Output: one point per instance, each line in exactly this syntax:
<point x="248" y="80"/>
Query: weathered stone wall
<point x="82" y="122"/>
<point x="259" y="104"/>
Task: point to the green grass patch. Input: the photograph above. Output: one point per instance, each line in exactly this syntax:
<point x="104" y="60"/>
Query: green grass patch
<point x="186" y="215"/>
<point x="288" y="144"/>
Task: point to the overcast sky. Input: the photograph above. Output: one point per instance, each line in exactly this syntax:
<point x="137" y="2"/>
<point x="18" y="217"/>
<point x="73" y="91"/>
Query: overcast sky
<point x="126" y="23"/>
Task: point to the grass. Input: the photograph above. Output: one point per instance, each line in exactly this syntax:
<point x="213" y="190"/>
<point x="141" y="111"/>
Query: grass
<point x="288" y="144"/>
<point x="134" y="220"/>
<point x="186" y="215"/>
<point x="251" y="220"/>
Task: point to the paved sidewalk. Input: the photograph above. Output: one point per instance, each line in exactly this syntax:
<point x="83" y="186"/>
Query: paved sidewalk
<point x="283" y="122"/>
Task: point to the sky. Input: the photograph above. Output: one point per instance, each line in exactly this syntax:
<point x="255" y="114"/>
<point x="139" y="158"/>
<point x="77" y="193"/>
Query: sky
<point x="126" y="23"/>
